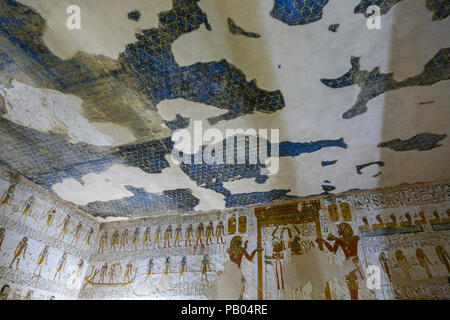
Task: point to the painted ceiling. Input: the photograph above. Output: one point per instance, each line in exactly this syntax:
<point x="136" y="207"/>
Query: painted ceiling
<point x="89" y="114"/>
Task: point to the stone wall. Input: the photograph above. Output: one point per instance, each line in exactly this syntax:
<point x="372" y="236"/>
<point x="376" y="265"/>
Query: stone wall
<point x="31" y="220"/>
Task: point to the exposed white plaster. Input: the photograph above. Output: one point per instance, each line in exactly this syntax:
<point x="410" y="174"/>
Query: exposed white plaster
<point x="105" y="27"/>
<point x="48" y="110"/>
<point x="110" y="185"/>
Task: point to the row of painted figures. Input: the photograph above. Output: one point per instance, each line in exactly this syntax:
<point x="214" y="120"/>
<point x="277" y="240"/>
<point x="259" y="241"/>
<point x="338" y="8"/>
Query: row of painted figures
<point x="20" y="253"/>
<point x="421" y="220"/>
<point x="171" y="237"/>
<point x="112" y="274"/>
<point x="47" y="217"/>
<point x="402" y="262"/>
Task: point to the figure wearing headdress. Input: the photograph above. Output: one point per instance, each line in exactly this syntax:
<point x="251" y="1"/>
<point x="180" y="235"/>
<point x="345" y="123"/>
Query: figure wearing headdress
<point x="20" y="249"/>
<point x="88" y="237"/>
<point x="42" y="260"/>
<point x="236" y="251"/>
<point x="115" y="240"/>
<point x="49" y="217"/>
<point x="123" y="240"/>
<point x="167" y="265"/>
<point x="205" y="266"/>
<point x="65" y="227"/>
<point x="385" y="265"/>
<point x="27" y="210"/>
<point x="157" y="236"/>
<point x="220" y="230"/>
<point x="209" y="232"/>
<point x="61" y="266"/>
<point x="424" y="261"/>
<point x="146" y="238"/>
<point x="134" y="242"/>
<point x="183" y="266"/>
<point x="2" y="237"/>
<point x="200" y="232"/>
<point x="443" y="257"/>
<point x="7" y="198"/>
<point x="102" y="243"/>
<point x="178" y="236"/>
<point x="189" y="232"/>
<point x="348" y="242"/>
<point x="167" y="236"/>
<point x="150" y="267"/>
<point x="76" y="233"/>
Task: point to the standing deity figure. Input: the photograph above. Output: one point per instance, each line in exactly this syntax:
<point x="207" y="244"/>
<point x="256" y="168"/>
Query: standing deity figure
<point x="167" y="265"/>
<point x="236" y="252"/>
<point x="123" y="240"/>
<point x="277" y="255"/>
<point x="7" y="198"/>
<point x="200" y="232"/>
<point x="150" y="267"/>
<point x="146" y="238"/>
<point x="188" y="234"/>
<point x="27" y="210"/>
<point x="167" y="236"/>
<point x="206" y="265"/>
<point x="183" y="266"/>
<point x="78" y="271"/>
<point x="88" y="237"/>
<point x="42" y="259"/>
<point x="424" y="262"/>
<point x="134" y="242"/>
<point x="128" y="271"/>
<point x="209" y="232"/>
<point x="220" y="230"/>
<point x="103" y="272"/>
<point x="102" y="243"/>
<point x="443" y="257"/>
<point x="61" y="266"/>
<point x="157" y="237"/>
<point x="178" y="236"/>
<point x="49" y="217"/>
<point x="113" y="272"/>
<point x="348" y="242"/>
<point x="20" y="249"/>
<point x="65" y="227"/>
<point x="384" y="262"/>
<point x="403" y="263"/>
<point x="114" y="240"/>
<point x="76" y="233"/>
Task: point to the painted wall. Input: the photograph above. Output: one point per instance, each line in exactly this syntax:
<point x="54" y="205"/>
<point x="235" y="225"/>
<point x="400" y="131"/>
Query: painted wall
<point x="318" y="248"/>
<point x="32" y="220"/>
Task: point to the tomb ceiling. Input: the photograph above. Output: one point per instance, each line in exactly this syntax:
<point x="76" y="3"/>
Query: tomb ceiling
<point x="91" y="113"/>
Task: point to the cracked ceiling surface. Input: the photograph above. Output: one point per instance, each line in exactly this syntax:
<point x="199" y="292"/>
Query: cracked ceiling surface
<point x="89" y="114"/>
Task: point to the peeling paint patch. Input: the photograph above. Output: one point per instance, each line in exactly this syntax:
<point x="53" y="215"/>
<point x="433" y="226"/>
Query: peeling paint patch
<point x="235" y="29"/>
<point x="328" y="163"/>
<point x="373" y="83"/>
<point x="48" y="110"/>
<point x="295" y="12"/>
<point x="334" y="27"/>
<point x="440" y="8"/>
<point x="327" y="188"/>
<point x="246" y="199"/>
<point x="420" y="142"/>
<point x="134" y="15"/>
<point x="142" y="203"/>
